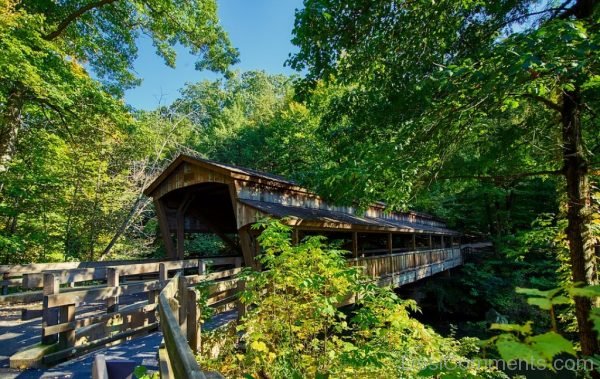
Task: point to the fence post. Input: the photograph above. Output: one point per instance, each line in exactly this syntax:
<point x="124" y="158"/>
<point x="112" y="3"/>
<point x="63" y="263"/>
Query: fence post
<point x="67" y="314"/>
<point x="182" y="297"/>
<point x="112" y="279"/>
<point x="5" y="286"/>
<point x="193" y="316"/>
<point x="152" y="299"/>
<point x="201" y="267"/>
<point x="238" y="261"/>
<point x="163" y="274"/>
<point x="49" y="315"/>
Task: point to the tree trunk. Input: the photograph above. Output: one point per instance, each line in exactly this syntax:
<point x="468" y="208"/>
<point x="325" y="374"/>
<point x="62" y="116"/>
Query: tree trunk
<point x="583" y="259"/>
<point x="140" y="203"/>
<point x="9" y="127"/>
<point x="581" y="249"/>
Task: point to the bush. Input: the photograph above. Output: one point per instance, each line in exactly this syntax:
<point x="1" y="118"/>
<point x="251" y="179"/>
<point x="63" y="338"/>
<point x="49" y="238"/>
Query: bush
<point x="294" y="327"/>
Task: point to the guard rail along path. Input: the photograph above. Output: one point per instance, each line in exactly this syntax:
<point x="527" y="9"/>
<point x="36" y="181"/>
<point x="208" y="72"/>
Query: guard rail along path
<point x="76" y="320"/>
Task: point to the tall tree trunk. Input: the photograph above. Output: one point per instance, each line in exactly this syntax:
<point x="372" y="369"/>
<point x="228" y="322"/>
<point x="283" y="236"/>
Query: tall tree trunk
<point x="583" y="259"/>
<point x="581" y="249"/>
<point x="9" y="126"/>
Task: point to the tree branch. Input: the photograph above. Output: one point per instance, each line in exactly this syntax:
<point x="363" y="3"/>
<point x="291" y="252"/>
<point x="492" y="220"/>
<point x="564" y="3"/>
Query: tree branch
<point x="74" y="16"/>
<point x="550" y="104"/>
<point x="503" y="177"/>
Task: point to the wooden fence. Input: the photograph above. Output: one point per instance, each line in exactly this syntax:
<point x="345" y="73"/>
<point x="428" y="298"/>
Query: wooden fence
<point x="30" y="278"/>
<point x="180" y="316"/>
<point x="405" y="267"/>
<point x="114" y="322"/>
<point x="176" y="300"/>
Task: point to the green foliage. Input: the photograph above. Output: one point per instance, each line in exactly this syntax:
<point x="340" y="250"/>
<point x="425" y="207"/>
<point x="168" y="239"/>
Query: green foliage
<point x="141" y="372"/>
<point x="410" y="106"/>
<point x="249" y="113"/>
<point x="294" y="328"/>
<point x="518" y="342"/>
<point x="73" y="158"/>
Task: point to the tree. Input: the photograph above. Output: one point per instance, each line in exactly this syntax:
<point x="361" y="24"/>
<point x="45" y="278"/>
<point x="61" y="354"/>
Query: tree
<point x="251" y="120"/>
<point x="423" y="83"/>
<point x="72" y="156"/>
<point x="46" y="43"/>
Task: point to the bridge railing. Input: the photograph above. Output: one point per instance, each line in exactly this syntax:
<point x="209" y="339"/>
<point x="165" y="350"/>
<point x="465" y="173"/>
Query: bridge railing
<point x="413" y="265"/>
<point x="76" y="320"/>
<point x="180" y="316"/>
<point x="28" y="278"/>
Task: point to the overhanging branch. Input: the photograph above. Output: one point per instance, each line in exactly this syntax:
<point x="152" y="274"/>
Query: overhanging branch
<point x="74" y="16"/>
<point x="549" y="103"/>
<point x="503" y="177"/>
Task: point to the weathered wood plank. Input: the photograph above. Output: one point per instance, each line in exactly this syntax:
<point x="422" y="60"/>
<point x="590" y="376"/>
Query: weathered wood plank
<point x="182" y="360"/>
<point x="222" y="286"/>
<point x="142" y="307"/>
<point x="66" y="353"/>
<point x="98" y="294"/>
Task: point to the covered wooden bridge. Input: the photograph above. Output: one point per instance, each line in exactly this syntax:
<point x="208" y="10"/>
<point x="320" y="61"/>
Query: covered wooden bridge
<point x="196" y="195"/>
<point x="80" y="306"/>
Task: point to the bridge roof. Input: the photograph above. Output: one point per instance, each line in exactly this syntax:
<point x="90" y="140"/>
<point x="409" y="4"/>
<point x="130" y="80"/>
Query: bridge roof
<point x="335" y="219"/>
<point x="255" y="193"/>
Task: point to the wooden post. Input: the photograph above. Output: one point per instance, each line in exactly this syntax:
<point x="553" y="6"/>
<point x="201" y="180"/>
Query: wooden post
<point x="67" y="314"/>
<point x="241" y="307"/>
<point x="99" y="370"/>
<point x="390" y="251"/>
<point x="247" y="249"/>
<point x="49" y="315"/>
<point x="163" y="274"/>
<point x="201" y="267"/>
<point x="163" y="222"/>
<point x="180" y="234"/>
<point x="193" y="318"/>
<point x="5" y="286"/>
<point x="112" y="280"/>
<point x="152" y="299"/>
<point x="295" y="237"/>
<point x="414" y="241"/>
<point x="355" y="244"/>
<point x="238" y="262"/>
<point x="182" y="297"/>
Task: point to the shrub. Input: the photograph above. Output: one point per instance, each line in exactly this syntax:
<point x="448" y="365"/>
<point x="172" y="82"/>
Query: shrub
<point x="295" y="328"/>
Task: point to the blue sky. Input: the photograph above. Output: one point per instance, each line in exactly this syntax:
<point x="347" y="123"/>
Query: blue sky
<point x="260" y="29"/>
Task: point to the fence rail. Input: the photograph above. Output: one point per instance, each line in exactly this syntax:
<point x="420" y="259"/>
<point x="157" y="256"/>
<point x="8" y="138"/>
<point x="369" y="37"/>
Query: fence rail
<point x="71" y="332"/>
<point x="384" y="266"/>
<point x="31" y="276"/>
<point x="180" y="316"/>
<point x="22" y="276"/>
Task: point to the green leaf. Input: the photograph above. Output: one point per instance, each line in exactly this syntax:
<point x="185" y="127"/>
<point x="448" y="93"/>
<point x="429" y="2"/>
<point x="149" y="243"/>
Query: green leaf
<point x="561" y="300"/>
<point x="538" y="293"/>
<point x="540" y="302"/>
<point x="523" y="329"/>
<point x="550" y="344"/>
<point x="589" y="291"/>
<point x="512" y="350"/>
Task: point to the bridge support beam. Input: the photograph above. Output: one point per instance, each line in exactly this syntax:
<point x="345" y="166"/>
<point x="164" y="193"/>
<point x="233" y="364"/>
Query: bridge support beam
<point x="163" y="223"/>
